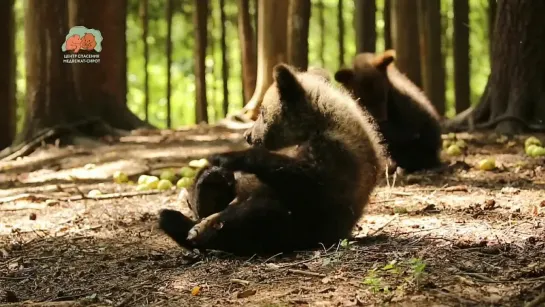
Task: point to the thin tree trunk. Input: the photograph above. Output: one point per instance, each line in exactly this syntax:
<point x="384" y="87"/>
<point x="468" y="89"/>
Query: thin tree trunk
<point x="321" y="22"/>
<point x="433" y="70"/>
<point x="8" y="104"/>
<point x="365" y="25"/>
<point x="405" y="39"/>
<point x="144" y="5"/>
<point x="387" y="16"/>
<point x="461" y="55"/>
<point x="298" y="25"/>
<point x="201" y="31"/>
<point x="248" y="48"/>
<point x="169" y="9"/>
<point x="340" y="26"/>
<point x="224" y="61"/>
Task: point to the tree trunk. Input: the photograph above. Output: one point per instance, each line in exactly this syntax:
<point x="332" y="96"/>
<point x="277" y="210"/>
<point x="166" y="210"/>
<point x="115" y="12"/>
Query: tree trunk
<point x="387" y="16"/>
<point x="298" y="24"/>
<point x="8" y="104"/>
<point x="104" y="85"/>
<point x="365" y="20"/>
<point x="492" y="7"/>
<point x="272" y="47"/>
<point x="514" y="98"/>
<point x="433" y="66"/>
<point x="248" y="48"/>
<point x="144" y="6"/>
<point x="340" y="26"/>
<point x="169" y="8"/>
<point x="224" y="61"/>
<point x="461" y="55"/>
<point x="321" y="23"/>
<point x="50" y="96"/>
<point x="405" y="39"/>
<point x="201" y="31"/>
<point x="517" y="85"/>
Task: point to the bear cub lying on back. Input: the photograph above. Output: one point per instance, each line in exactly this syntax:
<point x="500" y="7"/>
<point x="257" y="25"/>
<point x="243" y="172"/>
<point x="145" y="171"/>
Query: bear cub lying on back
<point x="407" y="120"/>
<point x="313" y="194"/>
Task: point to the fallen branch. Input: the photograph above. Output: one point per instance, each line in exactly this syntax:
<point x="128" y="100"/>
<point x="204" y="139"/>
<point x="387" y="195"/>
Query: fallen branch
<point x="306" y="273"/>
<point x="240" y="281"/>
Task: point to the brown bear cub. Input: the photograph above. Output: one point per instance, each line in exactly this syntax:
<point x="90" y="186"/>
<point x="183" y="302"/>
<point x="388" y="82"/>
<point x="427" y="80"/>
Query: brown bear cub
<point x="315" y="193"/>
<point x="407" y="120"/>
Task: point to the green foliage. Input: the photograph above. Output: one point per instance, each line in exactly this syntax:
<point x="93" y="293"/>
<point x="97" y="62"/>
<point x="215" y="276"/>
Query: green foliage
<point x="183" y="79"/>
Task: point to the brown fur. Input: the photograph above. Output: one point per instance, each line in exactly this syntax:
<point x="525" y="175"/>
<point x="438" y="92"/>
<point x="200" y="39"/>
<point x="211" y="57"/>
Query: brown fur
<point x="317" y="158"/>
<point x="406" y="118"/>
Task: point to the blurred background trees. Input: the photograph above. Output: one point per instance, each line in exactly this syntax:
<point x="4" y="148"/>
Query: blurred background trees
<point x="180" y="62"/>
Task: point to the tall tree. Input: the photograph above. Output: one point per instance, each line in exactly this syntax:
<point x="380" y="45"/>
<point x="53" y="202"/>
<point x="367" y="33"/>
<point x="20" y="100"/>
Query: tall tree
<point x="387" y="16"/>
<point x="169" y="8"/>
<point x="433" y="65"/>
<point x="340" y="26"/>
<point x="99" y="89"/>
<point x="104" y="84"/>
<point x="365" y="20"/>
<point x="7" y="74"/>
<point x="405" y="38"/>
<point x="248" y="48"/>
<point x="201" y="31"/>
<point x="272" y="49"/>
<point x="144" y="6"/>
<point x="298" y="24"/>
<point x="224" y="61"/>
<point x="514" y="100"/>
<point x="321" y="22"/>
<point x="461" y="55"/>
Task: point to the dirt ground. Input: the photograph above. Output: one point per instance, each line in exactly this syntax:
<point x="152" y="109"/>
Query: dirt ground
<point x="465" y="237"/>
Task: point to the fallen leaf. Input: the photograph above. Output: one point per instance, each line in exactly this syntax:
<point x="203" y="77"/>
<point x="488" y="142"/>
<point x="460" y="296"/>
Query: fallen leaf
<point x="196" y="290"/>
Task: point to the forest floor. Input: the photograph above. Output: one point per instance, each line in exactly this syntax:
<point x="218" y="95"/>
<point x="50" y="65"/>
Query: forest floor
<point x="466" y="237"/>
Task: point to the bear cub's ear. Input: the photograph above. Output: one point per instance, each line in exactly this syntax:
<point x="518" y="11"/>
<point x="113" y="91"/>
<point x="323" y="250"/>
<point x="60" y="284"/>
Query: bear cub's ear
<point x="289" y="88"/>
<point x="382" y="61"/>
<point x="344" y="75"/>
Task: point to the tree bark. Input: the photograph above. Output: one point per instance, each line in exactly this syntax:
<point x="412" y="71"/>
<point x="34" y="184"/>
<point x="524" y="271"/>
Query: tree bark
<point x="321" y="22"/>
<point x="169" y="8"/>
<point x="248" y="48"/>
<point x="433" y="66"/>
<point x="365" y="20"/>
<point x="298" y="24"/>
<point x="104" y="85"/>
<point x="461" y="55"/>
<point x="492" y="7"/>
<point x="387" y="16"/>
<point x="340" y="26"/>
<point x="514" y="98"/>
<point x="144" y="6"/>
<point x="272" y="49"/>
<point x="405" y="39"/>
<point x="224" y="61"/>
<point x="50" y="95"/>
<point x="8" y="104"/>
<point x="201" y="31"/>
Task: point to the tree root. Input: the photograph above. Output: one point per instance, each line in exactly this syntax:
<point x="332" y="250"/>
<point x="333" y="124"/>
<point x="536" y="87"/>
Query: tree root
<point x="73" y="133"/>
